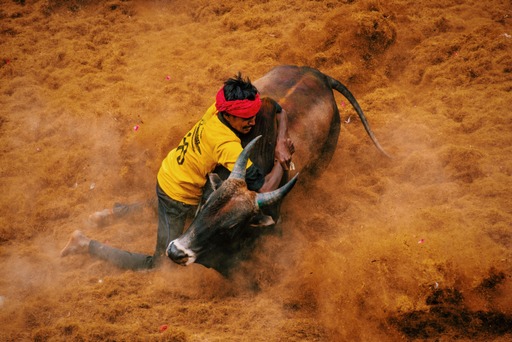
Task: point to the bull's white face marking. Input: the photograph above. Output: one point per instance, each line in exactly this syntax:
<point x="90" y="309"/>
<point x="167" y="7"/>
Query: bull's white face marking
<point x="190" y="254"/>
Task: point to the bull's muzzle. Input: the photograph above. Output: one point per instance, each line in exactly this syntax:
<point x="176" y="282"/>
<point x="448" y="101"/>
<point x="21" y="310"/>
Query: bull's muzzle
<point x="179" y="255"/>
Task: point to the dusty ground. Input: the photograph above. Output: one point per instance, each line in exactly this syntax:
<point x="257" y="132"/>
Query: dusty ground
<point x="417" y="247"/>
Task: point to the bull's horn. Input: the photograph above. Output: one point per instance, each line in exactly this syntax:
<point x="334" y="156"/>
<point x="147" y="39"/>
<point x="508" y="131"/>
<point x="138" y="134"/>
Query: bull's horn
<point x="241" y="162"/>
<point x="269" y="198"/>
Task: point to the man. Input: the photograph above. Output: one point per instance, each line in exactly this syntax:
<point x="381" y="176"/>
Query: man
<point x="215" y="140"/>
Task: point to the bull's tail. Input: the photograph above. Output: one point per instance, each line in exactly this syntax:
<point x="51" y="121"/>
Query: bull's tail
<point x="337" y="85"/>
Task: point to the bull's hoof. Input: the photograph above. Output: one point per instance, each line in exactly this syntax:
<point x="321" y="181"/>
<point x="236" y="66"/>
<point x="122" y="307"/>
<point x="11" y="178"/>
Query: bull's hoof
<point x="78" y="243"/>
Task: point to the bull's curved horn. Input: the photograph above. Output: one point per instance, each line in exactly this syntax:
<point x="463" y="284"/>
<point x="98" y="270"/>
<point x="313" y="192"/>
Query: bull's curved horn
<point x="241" y="162"/>
<point x="269" y="198"/>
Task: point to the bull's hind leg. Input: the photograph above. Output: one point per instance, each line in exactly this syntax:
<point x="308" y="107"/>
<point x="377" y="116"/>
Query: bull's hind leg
<point x="326" y="152"/>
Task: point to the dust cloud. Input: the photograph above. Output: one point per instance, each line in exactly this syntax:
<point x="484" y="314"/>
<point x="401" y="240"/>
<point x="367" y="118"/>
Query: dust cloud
<point x="417" y="247"/>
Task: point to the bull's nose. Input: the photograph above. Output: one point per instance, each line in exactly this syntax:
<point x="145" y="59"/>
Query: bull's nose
<point x="176" y="254"/>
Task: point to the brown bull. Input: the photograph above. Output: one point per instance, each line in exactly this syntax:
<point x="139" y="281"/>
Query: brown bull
<point x="226" y="224"/>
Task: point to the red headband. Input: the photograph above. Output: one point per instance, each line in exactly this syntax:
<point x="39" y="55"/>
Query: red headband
<point x="241" y="108"/>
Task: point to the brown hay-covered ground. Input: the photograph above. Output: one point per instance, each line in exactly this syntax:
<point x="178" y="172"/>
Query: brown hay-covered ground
<point x="418" y="247"/>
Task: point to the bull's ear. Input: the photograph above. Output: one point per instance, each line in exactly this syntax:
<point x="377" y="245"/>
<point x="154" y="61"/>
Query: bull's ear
<point x="215" y="180"/>
<point x="262" y="220"/>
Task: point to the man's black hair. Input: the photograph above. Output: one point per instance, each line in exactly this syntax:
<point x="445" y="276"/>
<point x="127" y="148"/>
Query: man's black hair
<point x="236" y="88"/>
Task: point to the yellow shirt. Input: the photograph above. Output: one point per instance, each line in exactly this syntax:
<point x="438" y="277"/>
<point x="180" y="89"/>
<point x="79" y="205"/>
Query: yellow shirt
<point x="209" y="143"/>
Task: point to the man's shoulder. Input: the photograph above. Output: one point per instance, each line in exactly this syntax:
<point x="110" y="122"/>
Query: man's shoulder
<point x="217" y="126"/>
<point x="217" y="133"/>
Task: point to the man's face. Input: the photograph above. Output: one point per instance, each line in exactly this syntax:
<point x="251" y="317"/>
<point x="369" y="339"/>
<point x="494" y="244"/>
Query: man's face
<point x="241" y="125"/>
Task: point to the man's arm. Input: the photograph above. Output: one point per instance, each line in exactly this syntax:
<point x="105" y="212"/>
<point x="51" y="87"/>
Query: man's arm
<point x="273" y="179"/>
<point x="284" y="146"/>
<point x="283" y="154"/>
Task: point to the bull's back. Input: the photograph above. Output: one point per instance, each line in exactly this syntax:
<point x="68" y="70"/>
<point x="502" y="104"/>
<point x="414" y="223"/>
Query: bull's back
<point x="313" y="118"/>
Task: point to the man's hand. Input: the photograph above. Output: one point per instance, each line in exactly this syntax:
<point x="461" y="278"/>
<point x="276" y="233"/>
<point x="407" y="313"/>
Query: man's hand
<point x="283" y="152"/>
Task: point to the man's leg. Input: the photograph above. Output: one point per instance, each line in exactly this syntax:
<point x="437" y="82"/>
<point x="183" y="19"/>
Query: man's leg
<point x="79" y="243"/>
<point x="171" y="221"/>
<point x="119" y="257"/>
<point x="106" y="217"/>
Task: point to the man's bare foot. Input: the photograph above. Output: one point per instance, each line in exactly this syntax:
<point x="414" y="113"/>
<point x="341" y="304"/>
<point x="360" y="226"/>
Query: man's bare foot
<point x="78" y="243"/>
<point x="101" y="218"/>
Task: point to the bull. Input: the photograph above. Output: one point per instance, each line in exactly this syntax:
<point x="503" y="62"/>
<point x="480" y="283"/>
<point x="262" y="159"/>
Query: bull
<point x="230" y="218"/>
